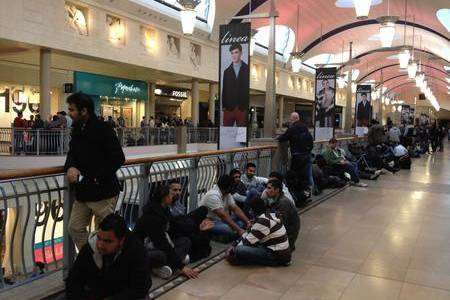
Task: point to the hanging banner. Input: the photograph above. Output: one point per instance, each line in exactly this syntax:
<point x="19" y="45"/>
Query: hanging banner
<point x="324" y="118"/>
<point x="234" y="80"/>
<point x="363" y="108"/>
<point x="405" y="114"/>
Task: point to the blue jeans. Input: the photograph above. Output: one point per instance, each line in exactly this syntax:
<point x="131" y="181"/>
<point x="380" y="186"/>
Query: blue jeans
<point x="222" y="229"/>
<point x="256" y="255"/>
<point x="352" y="169"/>
<point x="309" y="171"/>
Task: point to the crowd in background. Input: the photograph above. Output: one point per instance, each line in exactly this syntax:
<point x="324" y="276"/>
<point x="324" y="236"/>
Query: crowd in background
<point x="61" y="120"/>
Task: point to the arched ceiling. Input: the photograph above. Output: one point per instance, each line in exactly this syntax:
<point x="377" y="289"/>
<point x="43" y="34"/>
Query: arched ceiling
<point x="325" y="28"/>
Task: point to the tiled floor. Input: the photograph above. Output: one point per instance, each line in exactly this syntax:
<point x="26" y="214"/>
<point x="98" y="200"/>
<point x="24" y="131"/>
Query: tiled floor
<point x="388" y="241"/>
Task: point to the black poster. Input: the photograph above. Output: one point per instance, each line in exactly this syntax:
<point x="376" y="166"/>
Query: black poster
<point x="234" y="80"/>
<point x="324" y="104"/>
<point x="363" y="109"/>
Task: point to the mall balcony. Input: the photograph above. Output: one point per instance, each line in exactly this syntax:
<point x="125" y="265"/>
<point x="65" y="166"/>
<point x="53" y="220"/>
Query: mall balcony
<point x="375" y="75"/>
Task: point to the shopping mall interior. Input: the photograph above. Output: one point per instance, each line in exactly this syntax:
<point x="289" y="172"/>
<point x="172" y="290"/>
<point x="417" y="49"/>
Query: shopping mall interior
<point x="345" y="104"/>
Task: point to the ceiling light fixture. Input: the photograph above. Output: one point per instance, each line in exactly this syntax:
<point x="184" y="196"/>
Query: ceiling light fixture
<point x="296" y="56"/>
<point x="362" y="8"/>
<point x="403" y="58"/>
<point x="412" y="69"/>
<point x="188" y="15"/>
<point x="387" y="28"/>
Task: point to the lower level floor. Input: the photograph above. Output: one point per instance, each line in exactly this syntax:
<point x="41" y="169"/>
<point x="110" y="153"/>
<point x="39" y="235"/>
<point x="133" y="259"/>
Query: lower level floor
<point x="387" y="241"/>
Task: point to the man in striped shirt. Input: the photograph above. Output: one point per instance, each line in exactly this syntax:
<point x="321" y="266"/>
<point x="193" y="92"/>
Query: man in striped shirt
<point x="265" y="243"/>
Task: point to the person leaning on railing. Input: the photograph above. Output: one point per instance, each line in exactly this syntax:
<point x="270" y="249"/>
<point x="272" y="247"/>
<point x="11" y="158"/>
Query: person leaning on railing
<point x="92" y="161"/>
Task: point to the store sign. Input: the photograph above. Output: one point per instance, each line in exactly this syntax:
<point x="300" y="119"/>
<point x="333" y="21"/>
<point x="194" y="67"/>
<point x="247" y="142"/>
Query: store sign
<point x="170" y="92"/>
<point x="121" y="88"/>
<point x="106" y="86"/>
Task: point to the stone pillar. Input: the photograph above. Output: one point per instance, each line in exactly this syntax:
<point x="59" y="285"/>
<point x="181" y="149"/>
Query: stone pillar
<point x="348" y="102"/>
<point x="213" y="89"/>
<point x="195" y="95"/>
<point x="44" y="83"/>
<point x="280" y="111"/>
<point x="181" y="138"/>
<point x="150" y="104"/>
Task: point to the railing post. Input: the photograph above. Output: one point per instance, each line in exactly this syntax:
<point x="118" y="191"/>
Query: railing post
<point x="13" y="141"/>
<point x="68" y="246"/>
<point x="193" y="191"/>
<point x="143" y="185"/>
<point x="147" y="136"/>
<point x="258" y="167"/>
<point x="38" y="141"/>
<point x="61" y="141"/>
<point x="229" y="162"/>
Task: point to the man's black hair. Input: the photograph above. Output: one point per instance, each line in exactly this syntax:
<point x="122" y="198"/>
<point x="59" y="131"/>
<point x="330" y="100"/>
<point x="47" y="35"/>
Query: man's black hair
<point x="250" y="165"/>
<point x="332" y="141"/>
<point x="63" y="113"/>
<point x="82" y="101"/>
<point x="236" y="46"/>
<point x="225" y="183"/>
<point x="276" y="175"/>
<point x="174" y="181"/>
<point x="234" y="172"/>
<point x="276" y="184"/>
<point x="114" y="222"/>
<point x="162" y="192"/>
<point x="258" y="206"/>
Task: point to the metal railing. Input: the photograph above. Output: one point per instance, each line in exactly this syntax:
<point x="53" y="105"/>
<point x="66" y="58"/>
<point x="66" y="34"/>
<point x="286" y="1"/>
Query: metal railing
<point x="35" y="204"/>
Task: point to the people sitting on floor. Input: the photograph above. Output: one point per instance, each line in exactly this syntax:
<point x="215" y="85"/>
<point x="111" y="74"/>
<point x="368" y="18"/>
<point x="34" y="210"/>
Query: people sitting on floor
<point x="193" y="225"/>
<point x="229" y="220"/>
<point x="335" y="158"/>
<point x="280" y="177"/>
<point x="265" y="243"/>
<point x="238" y="188"/>
<point x="284" y="208"/>
<point x="402" y="157"/>
<point x="251" y="181"/>
<point x="166" y="254"/>
<point x="112" y="265"/>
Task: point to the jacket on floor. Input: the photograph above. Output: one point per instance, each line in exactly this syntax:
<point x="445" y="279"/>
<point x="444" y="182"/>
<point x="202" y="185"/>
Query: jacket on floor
<point x="154" y="225"/>
<point x="126" y="276"/>
<point x="95" y="150"/>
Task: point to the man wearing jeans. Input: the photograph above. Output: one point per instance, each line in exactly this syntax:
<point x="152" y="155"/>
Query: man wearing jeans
<point x="229" y="220"/>
<point x="265" y="243"/>
<point x="335" y="157"/>
<point x="92" y="161"/>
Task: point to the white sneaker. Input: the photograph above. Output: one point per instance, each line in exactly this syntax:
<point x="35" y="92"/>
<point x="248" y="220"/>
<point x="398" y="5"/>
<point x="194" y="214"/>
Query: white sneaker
<point x="165" y="272"/>
<point x="360" y="184"/>
<point x="378" y="172"/>
<point x="186" y="260"/>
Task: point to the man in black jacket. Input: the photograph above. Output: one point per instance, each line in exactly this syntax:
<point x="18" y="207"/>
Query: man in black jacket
<point x="112" y="265"/>
<point x="235" y="89"/>
<point x="153" y="227"/>
<point x="301" y="143"/>
<point x="92" y="161"/>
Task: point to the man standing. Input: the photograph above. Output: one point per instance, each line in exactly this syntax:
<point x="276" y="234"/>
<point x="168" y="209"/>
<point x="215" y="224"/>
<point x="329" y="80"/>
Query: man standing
<point x="112" y="265"/>
<point x="301" y="143"/>
<point x="235" y="89"/>
<point x="92" y="161"/>
<point x="364" y="111"/>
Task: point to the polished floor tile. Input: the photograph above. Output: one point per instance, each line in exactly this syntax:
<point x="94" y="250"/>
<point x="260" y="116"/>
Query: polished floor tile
<point x="388" y="241"/>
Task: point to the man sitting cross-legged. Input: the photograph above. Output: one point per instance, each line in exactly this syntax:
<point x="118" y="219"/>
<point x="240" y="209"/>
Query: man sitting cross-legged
<point x="265" y="243"/>
<point x="229" y="220"/>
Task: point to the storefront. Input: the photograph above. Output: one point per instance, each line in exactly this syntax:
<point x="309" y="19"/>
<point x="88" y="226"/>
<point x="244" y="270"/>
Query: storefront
<point x="169" y="100"/>
<point x="113" y="96"/>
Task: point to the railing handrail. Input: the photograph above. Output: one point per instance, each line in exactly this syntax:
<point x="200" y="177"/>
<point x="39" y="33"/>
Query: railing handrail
<point x="15" y="174"/>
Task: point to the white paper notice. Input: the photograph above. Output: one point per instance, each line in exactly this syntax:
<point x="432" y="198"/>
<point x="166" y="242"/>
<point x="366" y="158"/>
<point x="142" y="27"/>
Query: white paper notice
<point x="241" y="135"/>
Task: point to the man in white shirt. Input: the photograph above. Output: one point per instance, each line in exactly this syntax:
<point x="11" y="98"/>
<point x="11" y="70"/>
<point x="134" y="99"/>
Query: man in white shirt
<point x="228" y="218"/>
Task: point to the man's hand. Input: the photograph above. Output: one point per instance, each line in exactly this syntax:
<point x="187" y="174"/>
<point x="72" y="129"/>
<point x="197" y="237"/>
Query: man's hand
<point x="190" y="273"/>
<point x="249" y="224"/>
<point x="240" y="231"/>
<point x="343" y="161"/>
<point x="206" y="225"/>
<point x="72" y="174"/>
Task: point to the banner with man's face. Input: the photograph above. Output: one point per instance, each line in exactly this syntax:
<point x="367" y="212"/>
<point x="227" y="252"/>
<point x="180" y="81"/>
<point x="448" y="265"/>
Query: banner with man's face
<point x="325" y="98"/>
<point x="234" y="80"/>
<point x="363" y="109"/>
<point x="406" y="113"/>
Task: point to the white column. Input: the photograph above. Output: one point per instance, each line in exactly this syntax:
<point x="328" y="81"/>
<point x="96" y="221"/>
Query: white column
<point x="269" y="104"/>
<point x="44" y="83"/>
<point x="348" y="102"/>
<point x="280" y="111"/>
<point x="213" y="88"/>
<point x="195" y="95"/>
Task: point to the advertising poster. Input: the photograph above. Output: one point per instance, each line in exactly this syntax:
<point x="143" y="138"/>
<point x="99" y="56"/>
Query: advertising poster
<point x="324" y="118"/>
<point x="405" y="113"/>
<point x="363" y="108"/>
<point x="234" y="79"/>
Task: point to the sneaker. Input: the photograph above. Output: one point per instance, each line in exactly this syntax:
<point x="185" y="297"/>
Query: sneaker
<point x="378" y="172"/>
<point x="165" y="272"/>
<point x="186" y="260"/>
<point x="359" y="184"/>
